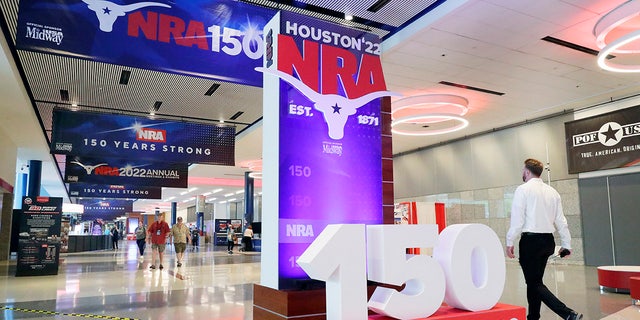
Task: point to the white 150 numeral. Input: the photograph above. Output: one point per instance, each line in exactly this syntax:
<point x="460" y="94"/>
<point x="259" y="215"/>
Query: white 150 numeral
<point x="467" y="259"/>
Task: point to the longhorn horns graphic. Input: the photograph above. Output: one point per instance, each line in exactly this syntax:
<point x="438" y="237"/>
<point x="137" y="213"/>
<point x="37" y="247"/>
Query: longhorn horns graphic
<point x="335" y="108"/>
<point x="107" y="11"/>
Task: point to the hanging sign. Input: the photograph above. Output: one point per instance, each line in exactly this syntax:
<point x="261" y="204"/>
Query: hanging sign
<point x="606" y="141"/>
<point x="125" y="172"/>
<point x="222" y="38"/>
<point x="87" y="190"/>
<point x="121" y="136"/>
<point x="105" y="209"/>
<point x="39" y="236"/>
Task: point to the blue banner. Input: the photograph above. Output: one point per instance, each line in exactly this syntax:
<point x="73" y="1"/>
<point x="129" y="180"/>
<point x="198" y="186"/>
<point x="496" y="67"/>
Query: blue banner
<point x="120" y="136"/>
<point x="104" y="209"/>
<point x="125" y="172"/>
<point x="87" y="190"/>
<point x="222" y="39"/>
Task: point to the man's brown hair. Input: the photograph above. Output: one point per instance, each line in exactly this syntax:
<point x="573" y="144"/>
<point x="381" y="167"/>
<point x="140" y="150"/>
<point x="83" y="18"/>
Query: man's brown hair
<point x="534" y="166"/>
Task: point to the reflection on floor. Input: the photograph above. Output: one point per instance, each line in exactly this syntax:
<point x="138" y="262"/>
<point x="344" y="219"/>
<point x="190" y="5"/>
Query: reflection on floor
<point x="212" y="284"/>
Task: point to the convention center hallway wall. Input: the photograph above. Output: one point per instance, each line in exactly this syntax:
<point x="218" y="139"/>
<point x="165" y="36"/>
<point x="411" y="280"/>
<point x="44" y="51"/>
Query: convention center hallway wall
<point x="475" y="178"/>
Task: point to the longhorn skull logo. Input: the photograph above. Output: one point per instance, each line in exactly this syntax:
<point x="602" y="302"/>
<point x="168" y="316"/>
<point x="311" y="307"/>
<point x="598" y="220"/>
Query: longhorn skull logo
<point x="88" y="168"/>
<point x="336" y="109"/>
<point x="107" y="11"/>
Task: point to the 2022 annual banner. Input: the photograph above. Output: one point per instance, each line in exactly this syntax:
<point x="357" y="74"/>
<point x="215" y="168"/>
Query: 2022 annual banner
<point x="125" y="172"/>
<point x="606" y="141"/>
<point x="223" y="39"/>
<point x="120" y="136"/>
<point x="87" y="190"/>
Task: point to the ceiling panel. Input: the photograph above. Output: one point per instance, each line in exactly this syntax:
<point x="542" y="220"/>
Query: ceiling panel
<point x="491" y="44"/>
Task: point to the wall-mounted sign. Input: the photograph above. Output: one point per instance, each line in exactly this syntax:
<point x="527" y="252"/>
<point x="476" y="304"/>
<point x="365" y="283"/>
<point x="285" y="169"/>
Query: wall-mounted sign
<point x="223" y="39"/>
<point x="322" y="88"/>
<point x="606" y="141"/>
<point x="125" y="172"/>
<point x="39" y="236"/>
<point x="120" y="136"/>
<point x="105" y="209"/>
<point x="87" y="190"/>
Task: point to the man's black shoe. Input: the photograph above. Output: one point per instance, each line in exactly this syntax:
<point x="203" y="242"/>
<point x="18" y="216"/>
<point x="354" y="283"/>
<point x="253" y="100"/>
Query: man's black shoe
<point x="575" y="316"/>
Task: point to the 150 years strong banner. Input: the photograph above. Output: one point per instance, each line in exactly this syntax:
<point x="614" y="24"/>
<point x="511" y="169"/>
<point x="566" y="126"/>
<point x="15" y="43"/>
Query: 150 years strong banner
<point x="119" y="136"/>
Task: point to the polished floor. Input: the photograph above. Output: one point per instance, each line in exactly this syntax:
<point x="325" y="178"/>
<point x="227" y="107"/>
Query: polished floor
<point x="212" y="284"/>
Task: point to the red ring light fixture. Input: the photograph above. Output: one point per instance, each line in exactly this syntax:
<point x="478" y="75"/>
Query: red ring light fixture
<point x="429" y="118"/>
<point x="427" y="109"/>
<point x="618" y="32"/>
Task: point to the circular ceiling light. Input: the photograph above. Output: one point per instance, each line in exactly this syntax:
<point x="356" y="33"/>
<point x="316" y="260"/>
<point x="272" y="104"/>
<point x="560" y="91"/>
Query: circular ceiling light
<point x="617" y="32"/>
<point x="428" y="118"/>
<point x="616" y="23"/>
<point x="612" y="47"/>
<point x="429" y="104"/>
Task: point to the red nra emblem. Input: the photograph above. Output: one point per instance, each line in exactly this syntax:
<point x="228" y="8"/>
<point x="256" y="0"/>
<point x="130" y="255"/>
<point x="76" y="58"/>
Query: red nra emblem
<point x="151" y="135"/>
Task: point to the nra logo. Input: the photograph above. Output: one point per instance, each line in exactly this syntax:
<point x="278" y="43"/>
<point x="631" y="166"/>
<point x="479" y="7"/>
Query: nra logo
<point x="300" y="230"/>
<point x="151" y="135"/>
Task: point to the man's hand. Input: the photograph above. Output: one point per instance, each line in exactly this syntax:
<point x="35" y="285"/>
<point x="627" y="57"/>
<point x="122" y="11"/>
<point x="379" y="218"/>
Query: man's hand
<point x="510" y="252"/>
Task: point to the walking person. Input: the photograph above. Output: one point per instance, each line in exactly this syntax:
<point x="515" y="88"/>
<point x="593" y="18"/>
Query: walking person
<point x="158" y="233"/>
<point x="115" y="236"/>
<point x="231" y="238"/>
<point x="247" y="238"/>
<point x="141" y="238"/>
<point x="535" y="214"/>
<point x="181" y="236"/>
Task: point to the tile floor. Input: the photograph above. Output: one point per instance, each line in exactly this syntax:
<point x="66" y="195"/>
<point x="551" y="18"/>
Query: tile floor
<point x="214" y="285"/>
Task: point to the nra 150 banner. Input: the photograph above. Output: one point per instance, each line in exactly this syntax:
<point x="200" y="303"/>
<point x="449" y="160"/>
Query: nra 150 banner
<point x="120" y="136"/>
<point x="223" y="38"/>
<point x="105" y="209"/>
<point x="86" y="190"/>
<point x="125" y="171"/>
<point x="607" y="141"/>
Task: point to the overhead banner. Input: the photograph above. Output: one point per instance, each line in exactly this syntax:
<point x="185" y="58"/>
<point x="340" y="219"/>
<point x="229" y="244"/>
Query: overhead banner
<point x="223" y="39"/>
<point x="125" y="172"/>
<point x="86" y="190"/>
<point x="607" y="141"/>
<point x="323" y="85"/>
<point x="120" y="136"/>
<point x="39" y="236"/>
<point x="105" y="209"/>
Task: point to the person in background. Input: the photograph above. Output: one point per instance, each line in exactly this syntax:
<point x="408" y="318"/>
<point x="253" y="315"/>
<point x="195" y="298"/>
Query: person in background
<point x="115" y="236"/>
<point x="181" y="235"/>
<point x="247" y="238"/>
<point x="536" y="213"/>
<point x="195" y="238"/>
<point x="231" y="238"/>
<point x="141" y="237"/>
<point x="157" y="234"/>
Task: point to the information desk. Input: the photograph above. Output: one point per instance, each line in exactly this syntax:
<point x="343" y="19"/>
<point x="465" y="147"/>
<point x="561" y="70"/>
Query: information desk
<point x="80" y="243"/>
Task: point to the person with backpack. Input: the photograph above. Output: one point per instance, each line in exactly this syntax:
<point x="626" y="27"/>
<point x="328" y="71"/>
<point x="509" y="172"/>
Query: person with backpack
<point x="115" y="236"/>
<point x="141" y="238"/>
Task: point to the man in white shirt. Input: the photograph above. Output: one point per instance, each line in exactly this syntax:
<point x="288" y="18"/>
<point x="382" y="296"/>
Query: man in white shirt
<point x="535" y="214"/>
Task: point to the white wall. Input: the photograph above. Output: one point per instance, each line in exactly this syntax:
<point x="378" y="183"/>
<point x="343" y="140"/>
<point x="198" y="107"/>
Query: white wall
<point x="8" y="158"/>
<point x="487" y="161"/>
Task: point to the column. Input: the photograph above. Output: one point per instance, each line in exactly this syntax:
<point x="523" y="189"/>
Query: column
<point x="174" y="212"/>
<point x="248" y="198"/>
<point x="35" y="172"/>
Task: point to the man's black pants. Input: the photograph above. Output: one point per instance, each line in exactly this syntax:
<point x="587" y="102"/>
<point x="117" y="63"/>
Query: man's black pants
<point x="535" y="249"/>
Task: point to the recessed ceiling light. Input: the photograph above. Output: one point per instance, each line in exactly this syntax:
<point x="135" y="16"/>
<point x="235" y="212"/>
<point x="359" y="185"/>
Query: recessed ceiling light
<point x="348" y="17"/>
<point x="216" y="191"/>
